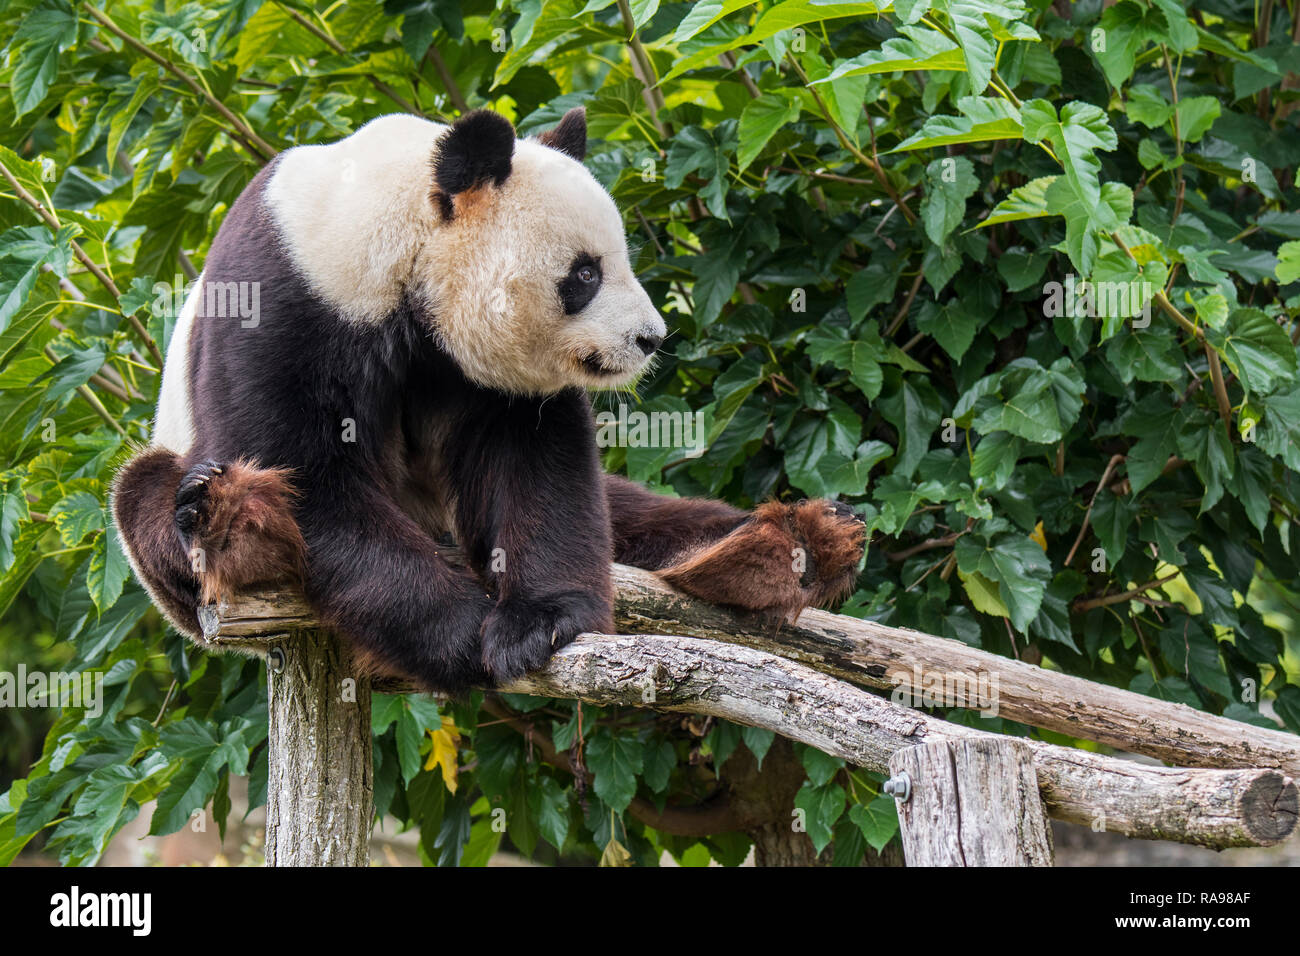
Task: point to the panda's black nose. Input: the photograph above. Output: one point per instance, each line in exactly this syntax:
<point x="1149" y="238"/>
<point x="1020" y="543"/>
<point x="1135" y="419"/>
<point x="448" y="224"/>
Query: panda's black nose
<point x="648" y="343"/>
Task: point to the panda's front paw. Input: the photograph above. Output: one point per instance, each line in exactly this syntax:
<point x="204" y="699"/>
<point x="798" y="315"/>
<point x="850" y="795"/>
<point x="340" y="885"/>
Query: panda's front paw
<point x="521" y="634"/>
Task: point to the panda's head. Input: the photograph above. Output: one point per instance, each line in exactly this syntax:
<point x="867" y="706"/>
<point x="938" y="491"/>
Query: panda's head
<point x="526" y="271"/>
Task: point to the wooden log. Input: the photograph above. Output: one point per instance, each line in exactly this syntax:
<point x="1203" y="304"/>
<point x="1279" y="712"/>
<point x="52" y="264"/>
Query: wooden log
<point x="972" y="803"/>
<point x="320" y="787"/>
<point x="1214" y="808"/>
<point x="872" y="655"/>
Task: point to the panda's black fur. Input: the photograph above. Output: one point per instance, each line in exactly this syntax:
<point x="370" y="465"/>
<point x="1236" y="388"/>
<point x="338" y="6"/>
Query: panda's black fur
<point x="270" y="489"/>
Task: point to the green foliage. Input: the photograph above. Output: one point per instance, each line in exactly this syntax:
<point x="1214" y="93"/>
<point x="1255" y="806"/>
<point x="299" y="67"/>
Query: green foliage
<point x="894" y="242"/>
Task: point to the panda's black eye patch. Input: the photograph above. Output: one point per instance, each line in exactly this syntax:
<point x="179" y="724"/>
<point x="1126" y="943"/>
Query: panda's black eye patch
<point x="580" y="286"/>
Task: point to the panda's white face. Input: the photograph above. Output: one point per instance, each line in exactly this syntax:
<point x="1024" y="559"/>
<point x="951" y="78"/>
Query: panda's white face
<point x="517" y="251"/>
<point x="530" y="282"/>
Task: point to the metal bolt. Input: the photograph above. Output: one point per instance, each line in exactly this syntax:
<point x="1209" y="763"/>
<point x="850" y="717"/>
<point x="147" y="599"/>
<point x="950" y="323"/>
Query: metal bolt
<point x="899" y="787"/>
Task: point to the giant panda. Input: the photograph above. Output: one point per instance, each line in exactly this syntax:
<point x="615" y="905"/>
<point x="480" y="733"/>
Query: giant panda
<point x="434" y="303"/>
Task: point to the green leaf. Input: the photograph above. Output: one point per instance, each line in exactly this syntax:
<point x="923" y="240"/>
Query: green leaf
<point x="1125" y="29"/>
<point x="108" y="569"/>
<point x="761" y="120"/>
<point x="821" y="807"/>
<point x="914" y="410"/>
<point x="949" y="182"/>
<point x="13" y="509"/>
<point x="45" y="31"/>
<point x="777" y="19"/>
<point x="1288" y="262"/>
<point x="705" y="153"/>
<point x="951" y="325"/>
<point x="984" y="119"/>
<point x="1081" y="130"/>
<point x="859" y="357"/>
<point x="917" y="49"/>
<point x="1086" y="223"/>
<point x="821" y="767"/>
<point x="1024" y="202"/>
<point x="878" y="820"/>
<point x="552" y="811"/>
<point x="983" y="593"/>
<point x="706" y="13"/>
<point x="77" y="515"/>
<point x="970" y="21"/>
<point x="1258" y="351"/>
<point x="1148" y="106"/>
<point x="23" y="250"/>
<point x="1196" y="114"/>
<point x="1016" y="564"/>
<point x="616" y="761"/>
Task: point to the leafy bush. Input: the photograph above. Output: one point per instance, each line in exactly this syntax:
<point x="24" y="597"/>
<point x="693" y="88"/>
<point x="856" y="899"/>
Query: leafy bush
<point x="895" y="242"/>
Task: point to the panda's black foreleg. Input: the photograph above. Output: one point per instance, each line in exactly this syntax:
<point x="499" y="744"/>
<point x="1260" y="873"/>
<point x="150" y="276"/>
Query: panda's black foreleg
<point x="376" y="577"/>
<point x="532" y="518"/>
<point x="776" y="560"/>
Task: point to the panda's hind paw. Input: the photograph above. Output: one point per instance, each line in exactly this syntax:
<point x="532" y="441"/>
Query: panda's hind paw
<point x="835" y="537"/>
<point x="782" y="559"/>
<point x="236" y="521"/>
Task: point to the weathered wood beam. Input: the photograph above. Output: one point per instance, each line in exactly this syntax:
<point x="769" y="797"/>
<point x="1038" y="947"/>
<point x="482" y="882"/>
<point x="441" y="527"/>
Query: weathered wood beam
<point x="971" y="803"/>
<point x="1214" y="808"/>
<point x="873" y="655"/>
<point x="320" y="781"/>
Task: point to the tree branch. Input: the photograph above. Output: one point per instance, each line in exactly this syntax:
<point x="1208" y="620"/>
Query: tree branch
<point x="259" y="145"/>
<point x="1106" y="600"/>
<point x="339" y="48"/>
<point x="52" y="223"/>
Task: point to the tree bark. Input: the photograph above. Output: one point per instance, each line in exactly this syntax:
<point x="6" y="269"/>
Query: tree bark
<point x="972" y="803"/>
<point x="767" y="794"/>
<point x="320" y="788"/>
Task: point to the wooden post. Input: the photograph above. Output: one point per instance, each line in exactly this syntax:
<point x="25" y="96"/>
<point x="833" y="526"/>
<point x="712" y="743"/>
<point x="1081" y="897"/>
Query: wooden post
<point x="972" y="803"/>
<point x="320" y="786"/>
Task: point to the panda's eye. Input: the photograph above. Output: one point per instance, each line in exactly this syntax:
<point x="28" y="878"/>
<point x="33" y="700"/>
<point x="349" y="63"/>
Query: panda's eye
<point x="580" y="286"/>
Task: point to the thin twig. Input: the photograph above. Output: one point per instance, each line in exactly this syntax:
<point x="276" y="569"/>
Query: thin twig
<point x="1106" y="600"/>
<point x="260" y="146"/>
<point x="1087" y="515"/>
<point x="339" y="48"/>
<point x="52" y="222"/>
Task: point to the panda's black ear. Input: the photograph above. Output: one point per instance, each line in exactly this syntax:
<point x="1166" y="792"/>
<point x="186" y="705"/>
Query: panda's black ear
<point x="475" y="151"/>
<point x="569" y="135"/>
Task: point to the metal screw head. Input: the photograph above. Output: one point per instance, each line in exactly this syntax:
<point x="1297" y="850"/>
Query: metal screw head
<point x="898" y="787"/>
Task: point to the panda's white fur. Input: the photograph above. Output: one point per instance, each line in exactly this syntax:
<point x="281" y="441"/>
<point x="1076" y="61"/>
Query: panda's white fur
<point x="173" y="426"/>
<point x="360" y="224"/>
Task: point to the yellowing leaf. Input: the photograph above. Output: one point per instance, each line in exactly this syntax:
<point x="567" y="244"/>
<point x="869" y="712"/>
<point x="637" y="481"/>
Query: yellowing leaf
<point x="983" y="593"/>
<point x="443" y="752"/>
<point x="615" y="855"/>
<point x="1039" y="536"/>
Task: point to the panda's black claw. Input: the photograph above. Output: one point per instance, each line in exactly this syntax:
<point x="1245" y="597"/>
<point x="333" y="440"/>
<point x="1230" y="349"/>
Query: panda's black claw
<point x="842" y="509"/>
<point x="192" y="497"/>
